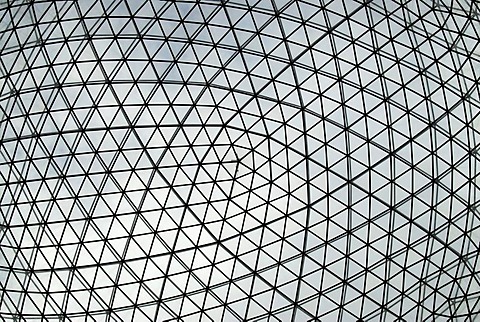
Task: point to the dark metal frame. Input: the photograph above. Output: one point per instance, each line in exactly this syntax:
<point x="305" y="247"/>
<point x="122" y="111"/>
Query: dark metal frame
<point x="239" y="160"/>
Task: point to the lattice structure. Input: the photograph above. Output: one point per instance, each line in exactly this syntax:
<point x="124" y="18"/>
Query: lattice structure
<point x="250" y="160"/>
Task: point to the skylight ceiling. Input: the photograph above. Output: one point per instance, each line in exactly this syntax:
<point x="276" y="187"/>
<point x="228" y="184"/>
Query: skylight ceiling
<point x="239" y="160"/>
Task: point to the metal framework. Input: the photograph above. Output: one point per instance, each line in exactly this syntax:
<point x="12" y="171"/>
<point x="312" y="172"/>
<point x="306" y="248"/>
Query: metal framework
<point x="252" y="160"/>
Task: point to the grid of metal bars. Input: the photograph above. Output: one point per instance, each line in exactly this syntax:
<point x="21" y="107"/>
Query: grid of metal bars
<point x="252" y="160"/>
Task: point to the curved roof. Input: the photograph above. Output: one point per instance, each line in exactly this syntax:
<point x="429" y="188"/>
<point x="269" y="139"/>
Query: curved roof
<point x="239" y="160"/>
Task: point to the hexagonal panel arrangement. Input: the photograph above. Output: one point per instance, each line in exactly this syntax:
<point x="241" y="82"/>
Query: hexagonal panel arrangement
<point x="245" y="160"/>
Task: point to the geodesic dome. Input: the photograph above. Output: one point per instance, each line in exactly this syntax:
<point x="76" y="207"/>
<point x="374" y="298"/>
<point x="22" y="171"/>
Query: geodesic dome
<point x="239" y="160"/>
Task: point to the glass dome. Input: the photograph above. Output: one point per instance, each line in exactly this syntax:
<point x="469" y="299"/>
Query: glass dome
<point x="252" y="160"/>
